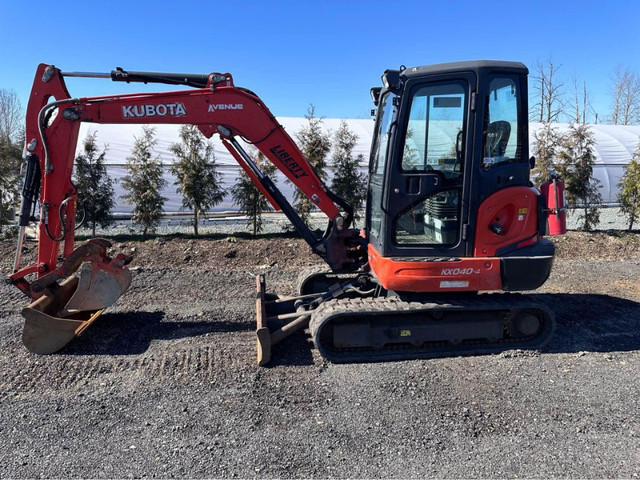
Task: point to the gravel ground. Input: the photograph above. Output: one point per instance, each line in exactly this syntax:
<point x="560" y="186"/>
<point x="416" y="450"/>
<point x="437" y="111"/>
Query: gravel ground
<point x="165" y="385"/>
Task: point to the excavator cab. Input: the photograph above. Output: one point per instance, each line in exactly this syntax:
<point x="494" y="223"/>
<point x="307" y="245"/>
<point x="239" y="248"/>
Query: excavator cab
<point x="447" y="138"/>
<point x="450" y="214"/>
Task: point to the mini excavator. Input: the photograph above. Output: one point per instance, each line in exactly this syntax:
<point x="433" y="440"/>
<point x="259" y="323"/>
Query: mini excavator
<point x="451" y="214"/>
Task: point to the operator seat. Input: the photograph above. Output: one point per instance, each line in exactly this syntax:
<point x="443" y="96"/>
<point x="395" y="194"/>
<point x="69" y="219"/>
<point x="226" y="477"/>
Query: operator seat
<point x="497" y="138"/>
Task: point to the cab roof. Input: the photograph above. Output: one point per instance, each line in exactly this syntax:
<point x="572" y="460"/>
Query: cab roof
<point x="473" y="66"/>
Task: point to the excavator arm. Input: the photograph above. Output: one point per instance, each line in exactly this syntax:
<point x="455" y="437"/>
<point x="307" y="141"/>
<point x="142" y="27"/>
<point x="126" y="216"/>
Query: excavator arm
<point x="217" y="107"/>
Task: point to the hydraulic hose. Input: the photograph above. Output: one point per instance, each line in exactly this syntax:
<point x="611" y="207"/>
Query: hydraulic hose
<point x="48" y="168"/>
<point x="63" y="226"/>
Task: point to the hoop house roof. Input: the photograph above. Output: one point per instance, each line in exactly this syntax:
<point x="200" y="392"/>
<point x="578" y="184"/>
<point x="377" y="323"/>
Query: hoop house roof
<point x="615" y="145"/>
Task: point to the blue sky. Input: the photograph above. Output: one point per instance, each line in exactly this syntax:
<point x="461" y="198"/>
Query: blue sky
<point x="326" y="53"/>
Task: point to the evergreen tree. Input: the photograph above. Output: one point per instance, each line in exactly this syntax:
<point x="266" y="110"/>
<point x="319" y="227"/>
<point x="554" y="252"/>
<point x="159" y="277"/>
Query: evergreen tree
<point x="348" y="183"/>
<point x="546" y="141"/>
<point x="410" y="160"/>
<point x="10" y="158"/>
<point x="576" y="169"/>
<point x="247" y="196"/>
<point x="144" y="181"/>
<point x="95" y="188"/>
<point x="315" y="144"/>
<point x="629" y="196"/>
<point x="198" y="178"/>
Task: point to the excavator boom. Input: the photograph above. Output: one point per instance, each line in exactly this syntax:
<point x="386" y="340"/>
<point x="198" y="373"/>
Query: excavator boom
<point x="217" y="107"/>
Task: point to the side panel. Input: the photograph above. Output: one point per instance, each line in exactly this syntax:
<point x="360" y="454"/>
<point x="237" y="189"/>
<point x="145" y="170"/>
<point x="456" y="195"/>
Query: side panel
<point x="506" y="219"/>
<point x="435" y="275"/>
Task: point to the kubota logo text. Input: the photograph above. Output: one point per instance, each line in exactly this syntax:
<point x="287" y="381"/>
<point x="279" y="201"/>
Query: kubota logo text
<point x="225" y="106"/>
<point x="160" y="110"/>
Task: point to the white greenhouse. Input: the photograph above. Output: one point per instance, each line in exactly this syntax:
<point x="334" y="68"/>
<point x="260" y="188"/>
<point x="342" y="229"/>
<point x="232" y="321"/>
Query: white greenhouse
<point x="615" y="145"/>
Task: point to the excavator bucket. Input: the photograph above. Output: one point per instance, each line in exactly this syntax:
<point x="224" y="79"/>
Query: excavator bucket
<point x="65" y="309"/>
<point x="97" y="288"/>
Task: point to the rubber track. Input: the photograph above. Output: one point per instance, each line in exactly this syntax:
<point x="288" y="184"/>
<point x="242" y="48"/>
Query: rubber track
<point x="370" y="307"/>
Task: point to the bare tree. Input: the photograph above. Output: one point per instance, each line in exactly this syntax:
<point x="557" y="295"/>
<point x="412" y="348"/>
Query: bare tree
<point x="11" y="141"/>
<point x="582" y="107"/>
<point x="625" y="88"/>
<point x="617" y="86"/>
<point x="548" y="90"/>
<point x="11" y="117"/>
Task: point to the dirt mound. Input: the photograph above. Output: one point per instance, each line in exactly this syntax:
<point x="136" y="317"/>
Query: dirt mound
<point x="597" y="245"/>
<point x="230" y="252"/>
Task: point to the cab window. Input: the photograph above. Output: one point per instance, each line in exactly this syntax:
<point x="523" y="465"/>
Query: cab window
<point x="434" y="136"/>
<point x="378" y="163"/>
<point x="501" y="135"/>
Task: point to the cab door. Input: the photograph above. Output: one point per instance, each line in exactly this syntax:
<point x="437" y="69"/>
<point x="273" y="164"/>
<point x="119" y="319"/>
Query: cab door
<point x="427" y="187"/>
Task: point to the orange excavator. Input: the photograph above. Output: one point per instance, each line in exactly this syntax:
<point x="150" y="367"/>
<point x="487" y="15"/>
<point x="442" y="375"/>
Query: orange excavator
<point x="451" y="214"/>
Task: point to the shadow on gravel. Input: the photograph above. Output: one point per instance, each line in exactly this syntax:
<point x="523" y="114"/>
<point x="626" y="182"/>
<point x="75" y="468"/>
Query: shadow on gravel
<point x="585" y="322"/>
<point x="593" y="323"/>
<point x="294" y="350"/>
<point x="130" y="333"/>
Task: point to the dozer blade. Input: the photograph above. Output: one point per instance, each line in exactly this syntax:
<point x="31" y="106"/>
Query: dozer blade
<point x="64" y="310"/>
<point x="277" y="318"/>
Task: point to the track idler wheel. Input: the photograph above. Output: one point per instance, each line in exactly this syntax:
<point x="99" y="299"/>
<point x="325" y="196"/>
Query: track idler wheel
<point x="65" y="304"/>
